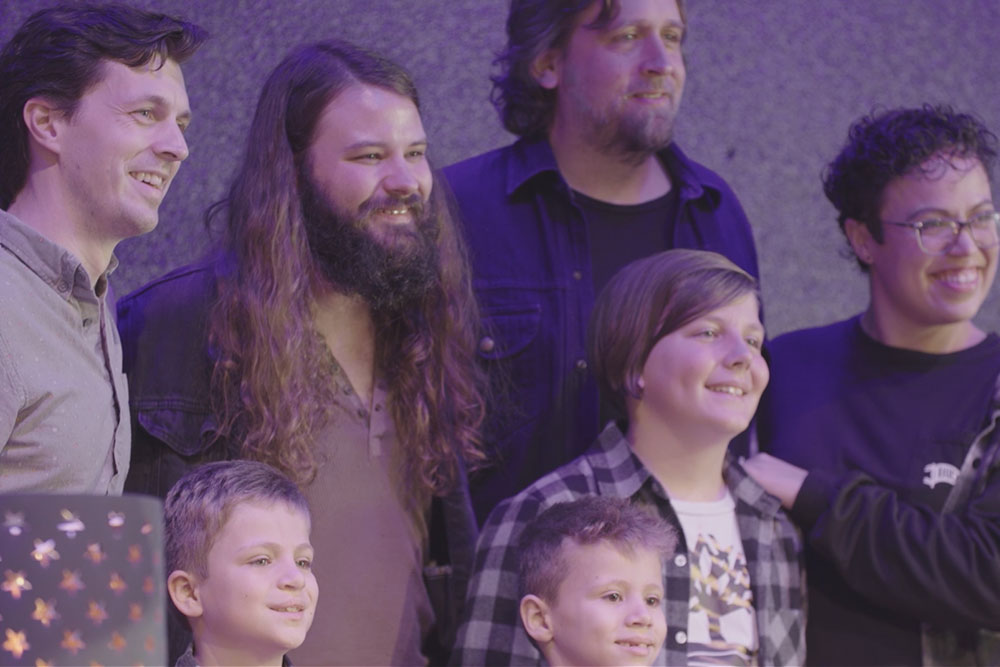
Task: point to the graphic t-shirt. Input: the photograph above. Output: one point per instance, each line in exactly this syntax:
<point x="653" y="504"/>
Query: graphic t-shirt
<point x="721" y="623"/>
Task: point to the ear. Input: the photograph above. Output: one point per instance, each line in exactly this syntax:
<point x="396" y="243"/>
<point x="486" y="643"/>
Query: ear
<point x="183" y="590"/>
<point x="535" y="617"/>
<point x="44" y="122"/>
<point x="860" y="239"/>
<point x="545" y="69"/>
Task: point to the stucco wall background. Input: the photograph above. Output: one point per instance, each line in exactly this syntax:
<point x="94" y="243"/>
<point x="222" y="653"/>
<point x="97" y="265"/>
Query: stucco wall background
<point x="772" y="86"/>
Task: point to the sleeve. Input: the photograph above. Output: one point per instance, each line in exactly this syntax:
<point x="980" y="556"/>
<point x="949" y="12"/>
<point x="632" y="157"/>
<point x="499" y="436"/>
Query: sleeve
<point x="11" y="393"/>
<point x="491" y="632"/>
<point x="941" y="568"/>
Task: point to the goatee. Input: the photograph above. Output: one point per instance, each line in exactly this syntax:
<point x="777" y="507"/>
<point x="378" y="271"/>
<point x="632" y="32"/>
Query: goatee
<point x="391" y="268"/>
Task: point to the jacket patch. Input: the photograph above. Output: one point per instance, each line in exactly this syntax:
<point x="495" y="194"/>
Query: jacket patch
<point x="940" y="472"/>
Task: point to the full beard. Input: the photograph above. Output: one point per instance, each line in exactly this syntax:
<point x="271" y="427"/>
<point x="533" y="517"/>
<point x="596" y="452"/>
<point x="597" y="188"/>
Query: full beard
<point x="391" y="269"/>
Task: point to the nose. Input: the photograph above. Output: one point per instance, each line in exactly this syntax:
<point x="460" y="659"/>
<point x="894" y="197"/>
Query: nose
<point x="639" y="614"/>
<point x="963" y="244"/>
<point x="400" y="178"/>
<point x="739" y="353"/>
<point x="659" y="58"/>
<point x="171" y="144"/>
<point x="292" y="576"/>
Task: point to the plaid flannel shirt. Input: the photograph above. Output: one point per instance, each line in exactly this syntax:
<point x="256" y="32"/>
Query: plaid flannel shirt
<point x="492" y="634"/>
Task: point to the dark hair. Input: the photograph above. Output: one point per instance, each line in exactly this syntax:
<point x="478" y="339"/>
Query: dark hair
<point x="886" y="145"/>
<point x="271" y="381"/>
<point x="201" y="502"/>
<point x="534" y="27"/>
<point x="58" y="54"/>
<point x="649" y="299"/>
<point x="585" y="521"/>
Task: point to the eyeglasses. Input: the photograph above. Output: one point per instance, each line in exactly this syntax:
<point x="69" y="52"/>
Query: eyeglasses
<point x="937" y="236"/>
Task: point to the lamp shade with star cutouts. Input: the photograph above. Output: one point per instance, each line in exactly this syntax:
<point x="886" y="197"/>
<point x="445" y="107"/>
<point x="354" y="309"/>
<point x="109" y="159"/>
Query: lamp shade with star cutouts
<point x="81" y="580"/>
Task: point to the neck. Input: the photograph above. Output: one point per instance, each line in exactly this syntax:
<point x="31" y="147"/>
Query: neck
<point x="207" y="654"/>
<point x="934" y="339"/>
<point x="346" y="324"/>
<point x="40" y="206"/>
<point x="689" y="468"/>
<point x="616" y="179"/>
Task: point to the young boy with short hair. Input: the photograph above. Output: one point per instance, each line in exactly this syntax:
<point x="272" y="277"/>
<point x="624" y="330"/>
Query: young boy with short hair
<point x="239" y="563"/>
<point x="592" y="584"/>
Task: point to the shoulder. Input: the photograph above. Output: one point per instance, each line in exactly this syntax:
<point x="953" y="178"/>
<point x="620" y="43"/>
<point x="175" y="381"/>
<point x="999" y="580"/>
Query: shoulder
<point x="815" y="342"/>
<point x="179" y="298"/>
<point x="571" y="481"/>
<point x="468" y="173"/>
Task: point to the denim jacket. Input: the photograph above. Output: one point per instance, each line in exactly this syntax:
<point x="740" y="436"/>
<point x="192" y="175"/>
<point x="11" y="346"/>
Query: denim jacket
<point x="164" y="328"/>
<point x="531" y="272"/>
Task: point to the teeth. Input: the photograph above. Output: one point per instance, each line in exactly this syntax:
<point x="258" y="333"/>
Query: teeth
<point x="726" y="389"/>
<point x="149" y="179"/>
<point x="959" y="277"/>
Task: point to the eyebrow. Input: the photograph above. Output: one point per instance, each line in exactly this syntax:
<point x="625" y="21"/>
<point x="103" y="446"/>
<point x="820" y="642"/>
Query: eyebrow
<point x="358" y="145"/>
<point x="934" y="210"/>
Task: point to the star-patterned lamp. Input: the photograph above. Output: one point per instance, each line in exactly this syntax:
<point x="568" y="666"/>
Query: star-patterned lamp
<point x="81" y="580"/>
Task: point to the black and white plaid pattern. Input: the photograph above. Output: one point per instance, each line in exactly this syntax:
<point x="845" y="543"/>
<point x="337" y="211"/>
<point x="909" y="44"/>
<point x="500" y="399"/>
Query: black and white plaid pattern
<point x="491" y="633"/>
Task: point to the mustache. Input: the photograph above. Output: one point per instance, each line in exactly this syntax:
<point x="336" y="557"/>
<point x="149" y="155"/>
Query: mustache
<point x="378" y="202"/>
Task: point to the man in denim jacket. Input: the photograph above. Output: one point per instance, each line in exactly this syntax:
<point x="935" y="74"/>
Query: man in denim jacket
<point x="595" y="181"/>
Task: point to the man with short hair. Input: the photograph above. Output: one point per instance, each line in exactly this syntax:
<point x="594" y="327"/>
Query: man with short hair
<point x="888" y="420"/>
<point x="92" y="116"/>
<point x="592" y="88"/>
<point x="332" y="336"/>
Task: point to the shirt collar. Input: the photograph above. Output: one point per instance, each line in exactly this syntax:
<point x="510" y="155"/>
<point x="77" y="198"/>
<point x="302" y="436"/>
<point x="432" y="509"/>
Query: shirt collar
<point x="55" y="265"/>
<point x="533" y="157"/>
<point x="618" y="471"/>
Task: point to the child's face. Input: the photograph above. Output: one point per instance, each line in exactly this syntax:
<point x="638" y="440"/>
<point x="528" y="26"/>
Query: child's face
<point x="260" y="594"/>
<point x="706" y="378"/>
<point x="608" y="610"/>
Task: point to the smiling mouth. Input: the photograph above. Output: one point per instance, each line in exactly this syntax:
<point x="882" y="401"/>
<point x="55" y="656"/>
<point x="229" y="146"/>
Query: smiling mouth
<point x="958" y="279"/>
<point x="149" y="178"/>
<point x="290" y="609"/>
<point x="728" y="389"/>
<point x="635" y="646"/>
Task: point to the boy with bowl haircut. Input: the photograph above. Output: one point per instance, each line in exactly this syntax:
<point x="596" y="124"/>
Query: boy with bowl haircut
<point x="592" y="583"/>
<point x="240" y="563"/>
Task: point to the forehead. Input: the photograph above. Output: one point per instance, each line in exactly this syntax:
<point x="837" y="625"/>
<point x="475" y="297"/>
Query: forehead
<point x="602" y="560"/>
<point x="946" y="183"/>
<point x="250" y="521"/>
<point x="120" y="84"/>
<point x="656" y="13"/>
<point x="363" y="114"/>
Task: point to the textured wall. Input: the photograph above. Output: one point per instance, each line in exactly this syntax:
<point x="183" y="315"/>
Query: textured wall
<point x="772" y="86"/>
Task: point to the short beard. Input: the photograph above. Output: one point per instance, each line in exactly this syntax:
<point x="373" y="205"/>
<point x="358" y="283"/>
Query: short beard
<point x="392" y="270"/>
<point x="632" y="138"/>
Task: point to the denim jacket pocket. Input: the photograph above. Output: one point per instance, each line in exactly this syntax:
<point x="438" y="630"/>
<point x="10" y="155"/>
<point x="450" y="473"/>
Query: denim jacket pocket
<point x="187" y="432"/>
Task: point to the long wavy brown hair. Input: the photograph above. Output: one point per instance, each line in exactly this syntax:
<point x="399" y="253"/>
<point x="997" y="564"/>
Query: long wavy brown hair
<point x="272" y="377"/>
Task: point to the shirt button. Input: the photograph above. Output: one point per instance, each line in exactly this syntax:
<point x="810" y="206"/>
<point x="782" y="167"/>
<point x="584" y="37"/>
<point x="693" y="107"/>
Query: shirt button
<point x="680" y="560"/>
<point x="87" y="322"/>
<point x="62" y="286"/>
<point x="378" y="408"/>
<point x="581" y="364"/>
<point x="681" y="637"/>
<point x="577" y="275"/>
<point x="486" y="344"/>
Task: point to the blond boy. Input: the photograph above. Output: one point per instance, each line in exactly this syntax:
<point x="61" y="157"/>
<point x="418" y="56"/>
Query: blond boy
<point x="240" y="563"/>
<point x="592" y="583"/>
